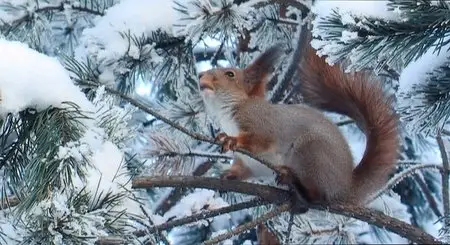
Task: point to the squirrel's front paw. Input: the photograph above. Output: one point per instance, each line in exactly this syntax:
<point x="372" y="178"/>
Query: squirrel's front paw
<point x="229" y="143"/>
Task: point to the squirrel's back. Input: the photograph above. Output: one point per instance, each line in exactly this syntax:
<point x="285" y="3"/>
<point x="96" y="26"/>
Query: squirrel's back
<point x="310" y="144"/>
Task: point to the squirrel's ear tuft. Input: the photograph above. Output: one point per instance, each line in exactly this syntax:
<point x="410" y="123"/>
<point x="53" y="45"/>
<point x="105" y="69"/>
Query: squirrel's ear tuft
<point x="264" y="64"/>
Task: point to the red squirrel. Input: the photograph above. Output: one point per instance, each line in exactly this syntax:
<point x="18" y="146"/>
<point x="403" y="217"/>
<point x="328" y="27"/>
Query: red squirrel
<point x="304" y="145"/>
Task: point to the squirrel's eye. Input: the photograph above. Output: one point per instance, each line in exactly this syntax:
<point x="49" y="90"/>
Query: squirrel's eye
<point x="229" y="74"/>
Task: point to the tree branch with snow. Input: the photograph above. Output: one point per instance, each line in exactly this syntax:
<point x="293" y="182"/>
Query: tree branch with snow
<point x="277" y="195"/>
<point x="65" y="170"/>
<point x="391" y="224"/>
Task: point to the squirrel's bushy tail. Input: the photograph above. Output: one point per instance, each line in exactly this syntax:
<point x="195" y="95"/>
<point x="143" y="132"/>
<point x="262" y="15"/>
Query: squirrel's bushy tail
<point x="329" y="88"/>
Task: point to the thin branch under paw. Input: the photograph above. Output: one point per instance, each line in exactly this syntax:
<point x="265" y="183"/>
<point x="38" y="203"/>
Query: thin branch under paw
<point x="249" y="225"/>
<point x="200" y="216"/>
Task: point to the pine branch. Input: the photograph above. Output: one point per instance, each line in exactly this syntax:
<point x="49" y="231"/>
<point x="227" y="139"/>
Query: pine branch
<point x="160" y="143"/>
<point x="292" y="3"/>
<point x="157" y="42"/>
<point x="445" y="179"/>
<point x="428" y="195"/>
<point x="175" y="62"/>
<point x="13" y="137"/>
<point x="56" y="216"/>
<point x="283" y="21"/>
<point x="200" y="216"/>
<point x="217" y="54"/>
<point x="412" y="171"/>
<point x="33" y="164"/>
<point x="275" y="195"/>
<point x="163" y="148"/>
<point x="176" y="194"/>
<point x="262" y="191"/>
<point x="249" y="225"/>
<point x="14" y="201"/>
<point x="219" y="19"/>
<point x="29" y="15"/>
<point x="61" y="7"/>
<point x="289" y="230"/>
<point x="159" y="234"/>
<point x="291" y="69"/>
<point x="282" y="80"/>
<point x="426" y="106"/>
<point x="421" y="9"/>
<point x="375" y="42"/>
<point x="210" y="54"/>
<point x="397" y="178"/>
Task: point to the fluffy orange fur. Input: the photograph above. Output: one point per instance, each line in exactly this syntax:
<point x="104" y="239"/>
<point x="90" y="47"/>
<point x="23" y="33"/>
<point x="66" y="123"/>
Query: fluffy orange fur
<point x="357" y="96"/>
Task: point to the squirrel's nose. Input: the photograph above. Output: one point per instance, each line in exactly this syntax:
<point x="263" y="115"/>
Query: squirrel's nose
<point x="200" y="75"/>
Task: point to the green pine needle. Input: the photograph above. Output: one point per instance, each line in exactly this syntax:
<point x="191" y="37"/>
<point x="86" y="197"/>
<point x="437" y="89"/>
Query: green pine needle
<point x="377" y="42"/>
<point x="428" y="109"/>
<point x="31" y="163"/>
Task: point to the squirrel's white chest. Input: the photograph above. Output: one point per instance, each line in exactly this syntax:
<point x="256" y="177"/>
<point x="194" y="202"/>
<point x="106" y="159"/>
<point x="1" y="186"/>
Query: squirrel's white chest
<point x="228" y="124"/>
<point x="224" y="118"/>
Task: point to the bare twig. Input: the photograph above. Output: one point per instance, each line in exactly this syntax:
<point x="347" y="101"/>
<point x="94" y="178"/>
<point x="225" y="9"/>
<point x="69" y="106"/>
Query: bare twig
<point x="273" y="194"/>
<point x="159" y="233"/>
<point x="289" y="231"/>
<point x="280" y="86"/>
<point x="428" y="195"/>
<point x="200" y="216"/>
<point x="178" y="193"/>
<point x="215" y="59"/>
<point x="402" y="175"/>
<point x="382" y="221"/>
<point x="249" y="225"/>
<point x="445" y="178"/>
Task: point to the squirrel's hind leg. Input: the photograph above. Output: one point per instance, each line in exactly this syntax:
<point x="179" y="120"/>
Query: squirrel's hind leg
<point x="300" y="194"/>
